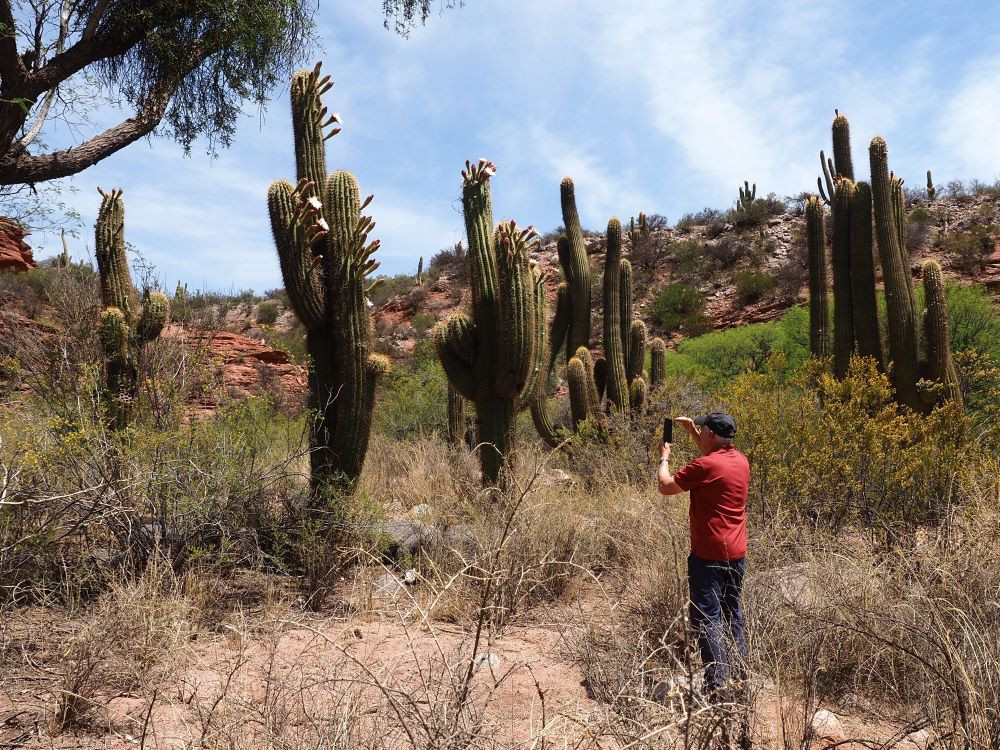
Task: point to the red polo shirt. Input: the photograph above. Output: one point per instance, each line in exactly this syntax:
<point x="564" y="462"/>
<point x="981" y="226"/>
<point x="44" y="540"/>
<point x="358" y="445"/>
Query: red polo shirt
<point x="718" y="485"/>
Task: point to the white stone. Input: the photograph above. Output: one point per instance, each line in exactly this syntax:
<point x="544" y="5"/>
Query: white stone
<point x="826" y="724"/>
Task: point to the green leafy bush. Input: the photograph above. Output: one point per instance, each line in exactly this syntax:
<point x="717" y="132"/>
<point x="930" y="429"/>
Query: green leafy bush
<point x="688" y="258"/>
<point x="267" y="313"/>
<point x="968" y="250"/>
<point x="752" y="286"/>
<point x="413" y="397"/>
<point x="680" y="306"/>
<point x="422" y="321"/>
<point x="758" y="212"/>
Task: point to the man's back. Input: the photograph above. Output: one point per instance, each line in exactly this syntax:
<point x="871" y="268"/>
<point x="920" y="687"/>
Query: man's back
<point x="718" y="483"/>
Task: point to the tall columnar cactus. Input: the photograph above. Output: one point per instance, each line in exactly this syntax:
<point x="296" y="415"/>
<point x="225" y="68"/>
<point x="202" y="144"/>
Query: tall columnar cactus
<point x="494" y="358"/>
<point x="931" y="190"/>
<point x="819" y="300"/>
<point x="636" y="366"/>
<point x="325" y="258"/>
<point x="625" y="300"/>
<point x="124" y="325"/>
<point x="638" y="394"/>
<point x="866" y="318"/>
<point x="584" y="400"/>
<point x="843" y="304"/>
<point x="456" y="417"/>
<point x="903" y="331"/>
<point x="657" y="363"/>
<point x="940" y="366"/>
<point x="420" y="271"/>
<point x="614" y="340"/>
<point x="573" y="256"/>
<point x="842" y="160"/>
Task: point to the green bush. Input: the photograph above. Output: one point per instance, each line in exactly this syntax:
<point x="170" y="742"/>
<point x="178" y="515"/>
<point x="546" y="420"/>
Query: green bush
<point x="413" y="397"/>
<point x="703" y="218"/>
<point x="267" y="313"/>
<point x="973" y="320"/>
<point x="680" y="306"/>
<point x="688" y="258"/>
<point x="758" y="212"/>
<point x="390" y="287"/>
<point x="968" y="250"/>
<point x="422" y="321"/>
<point x="752" y="286"/>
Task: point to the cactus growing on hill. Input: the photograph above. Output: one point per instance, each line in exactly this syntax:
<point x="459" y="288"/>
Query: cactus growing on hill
<point x="420" y="271"/>
<point x="124" y="327"/>
<point x="931" y="190"/>
<point x="940" y="367"/>
<point x="747" y="196"/>
<point x="584" y="399"/>
<point x="325" y="258"/>
<point x="636" y="367"/>
<point x="614" y="340"/>
<point x="819" y="306"/>
<point x="866" y="318"/>
<point x="843" y="304"/>
<point x="494" y="357"/>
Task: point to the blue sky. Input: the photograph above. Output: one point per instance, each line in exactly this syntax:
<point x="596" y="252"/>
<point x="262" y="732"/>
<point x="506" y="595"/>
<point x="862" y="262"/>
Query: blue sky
<point x="649" y="105"/>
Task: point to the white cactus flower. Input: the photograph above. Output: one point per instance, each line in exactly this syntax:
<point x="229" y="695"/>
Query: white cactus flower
<point x="369" y="302"/>
<point x="315" y="202"/>
<point x="321" y="223"/>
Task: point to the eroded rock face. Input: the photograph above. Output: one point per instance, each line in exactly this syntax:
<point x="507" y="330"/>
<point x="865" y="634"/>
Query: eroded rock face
<point x="15" y="253"/>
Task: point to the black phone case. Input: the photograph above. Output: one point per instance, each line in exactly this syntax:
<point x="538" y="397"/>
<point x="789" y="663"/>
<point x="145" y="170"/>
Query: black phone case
<point x="668" y="430"/>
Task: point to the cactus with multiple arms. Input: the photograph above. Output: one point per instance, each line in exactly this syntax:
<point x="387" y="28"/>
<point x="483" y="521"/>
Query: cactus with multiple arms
<point x="123" y="326"/>
<point x="747" y="196"/>
<point x="494" y="358"/>
<point x="325" y="258"/>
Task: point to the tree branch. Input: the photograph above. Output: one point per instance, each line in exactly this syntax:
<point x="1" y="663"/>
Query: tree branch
<point x="23" y="168"/>
<point x="12" y="70"/>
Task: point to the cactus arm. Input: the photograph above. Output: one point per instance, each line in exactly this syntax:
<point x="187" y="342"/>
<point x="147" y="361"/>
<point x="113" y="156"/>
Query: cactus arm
<point x="866" y="317"/>
<point x="657" y="363"/>
<point x="518" y="335"/>
<point x="583" y="399"/>
<point x="842" y="146"/>
<point x="843" y="305"/>
<point x="617" y="386"/>
<point x="539" y="402"/>
<point x="155" y="312"/>
<point x="308" y="118"/>
<point x="455" y="343"/>
<point x="903" y="339"/>
<point x="625" y="297"/>
<point x="601" y="376"/>
<point x="456" y="416"/>
<point x="577" y="268"/>
<point x="828" y="172"/>
<point x="560" y="323"/>
<point x="638" y="395"/>
<point x="291" y="226"/>
<point x="819" y="308"/>
<point x="939" y="359"/>
<point x="636" y="351"/>
<point x="112" y="261"/>
<point x="538" y="372"/>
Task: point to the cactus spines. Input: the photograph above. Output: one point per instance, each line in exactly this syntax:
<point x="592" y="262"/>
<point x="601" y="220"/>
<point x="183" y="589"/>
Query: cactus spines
<point x="747" y="196"/>
<point x="576" y="268"/>
<point x="931" y="190"/>
<point x="638" y="393"/>
<point x="819" y="307"/>
<point x="583" y="398"/>
<point x="123" y="327"/>
<point x="502" y="338"/>
<point x="903" y="338"/>
<point x="636" y="351"/>
<point x="940" y="365"/>
<point x="843" y="310"/>
<point x="866" y="318"/>
<point x="322" y="242"/>
<point x="842" y="160"/>
<point x="657" y="363"/>
<point x="614" y="353"/>
<point x="456" y="417"/>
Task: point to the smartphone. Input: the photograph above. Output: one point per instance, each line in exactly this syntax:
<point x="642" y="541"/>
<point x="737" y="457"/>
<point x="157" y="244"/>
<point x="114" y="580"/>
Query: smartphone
<point x="668" y="430"/>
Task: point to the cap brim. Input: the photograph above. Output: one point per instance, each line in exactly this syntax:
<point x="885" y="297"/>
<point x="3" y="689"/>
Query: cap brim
<point x="701" y="421"/>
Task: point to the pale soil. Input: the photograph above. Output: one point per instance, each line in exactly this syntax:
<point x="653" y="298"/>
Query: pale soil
<point x="289" y="680"/>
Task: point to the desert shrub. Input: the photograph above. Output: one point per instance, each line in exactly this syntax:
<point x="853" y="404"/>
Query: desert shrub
<point x="845" y="451"/>
<point x="687" y="257"/>
<point x="917" y="232"/>
<point x="956" y="189"/>
<point x="726" y="251"/>
<point x="703" y="218"/>
<point x="680" y="306"/>
<point x="422" y="321"/>
<point x="267" y="313"/>
<point x="758" y="212"/>
<point x="752" y="286"/>
<point x="720" y="356"/>
<point x="391" y="286"/>
<point x="413" y="397"/>
<point x="990" y="189"/>
<point x="973" y="320"/>
<point x="968" y="251"/>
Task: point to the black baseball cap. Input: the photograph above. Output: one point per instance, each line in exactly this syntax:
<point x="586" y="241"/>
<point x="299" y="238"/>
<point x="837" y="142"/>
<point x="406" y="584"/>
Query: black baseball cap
<point x="721" y="424"/>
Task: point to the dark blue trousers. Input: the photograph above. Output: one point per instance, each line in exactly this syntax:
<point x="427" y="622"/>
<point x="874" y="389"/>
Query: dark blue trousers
<point x="717" y="617"/>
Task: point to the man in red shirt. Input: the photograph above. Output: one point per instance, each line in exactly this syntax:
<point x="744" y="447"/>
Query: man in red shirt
<point x="718" y="481"/>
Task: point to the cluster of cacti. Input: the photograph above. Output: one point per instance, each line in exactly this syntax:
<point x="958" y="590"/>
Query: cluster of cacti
<point x="855" y="208"/>
<point x="747" y="196"/>
<point x="325" y="258"/>
<point x="125" y="325"/>
<point x="495" y="357"/>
